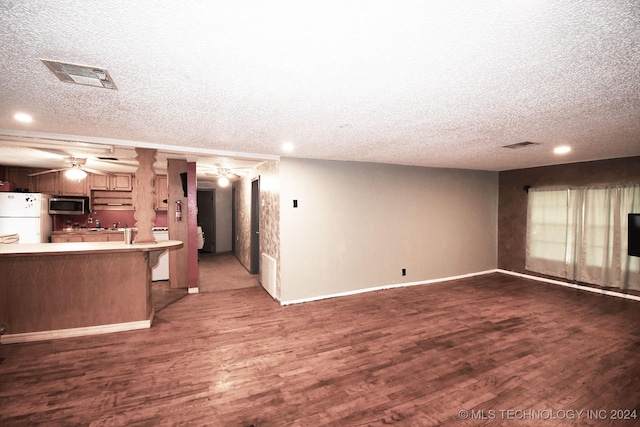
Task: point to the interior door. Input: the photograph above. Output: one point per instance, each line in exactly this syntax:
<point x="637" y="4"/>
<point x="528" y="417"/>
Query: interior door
<point x="207" y="218"/>
<point x="255" y="226"/>
<point x="233" y="220"/>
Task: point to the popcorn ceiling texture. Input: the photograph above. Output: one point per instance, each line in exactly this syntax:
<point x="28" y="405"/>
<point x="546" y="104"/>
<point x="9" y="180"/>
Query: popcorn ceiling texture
<point x="428" y="83"/>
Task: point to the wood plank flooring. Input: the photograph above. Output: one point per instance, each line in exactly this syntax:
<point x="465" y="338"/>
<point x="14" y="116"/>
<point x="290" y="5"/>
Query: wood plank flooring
<point x="416" y="356"/>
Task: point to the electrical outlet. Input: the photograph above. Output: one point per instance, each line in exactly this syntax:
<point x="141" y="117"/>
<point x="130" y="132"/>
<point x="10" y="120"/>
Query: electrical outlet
<point x="404" y="271"/>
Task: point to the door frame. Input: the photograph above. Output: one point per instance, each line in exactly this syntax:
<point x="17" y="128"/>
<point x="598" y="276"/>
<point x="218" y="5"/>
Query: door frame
<point x="209" y="232"/>
<point x="255" y="226"/>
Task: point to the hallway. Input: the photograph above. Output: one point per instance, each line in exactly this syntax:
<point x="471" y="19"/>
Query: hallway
<point x="216" y="272"/>
<point x="221" y="272"/>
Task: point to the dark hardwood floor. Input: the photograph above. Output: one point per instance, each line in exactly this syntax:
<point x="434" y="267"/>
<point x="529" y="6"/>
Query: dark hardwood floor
<point x="509" y="351"/>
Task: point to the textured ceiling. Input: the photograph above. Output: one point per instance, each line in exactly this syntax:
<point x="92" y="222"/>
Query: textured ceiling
<point x="429" y="83"/>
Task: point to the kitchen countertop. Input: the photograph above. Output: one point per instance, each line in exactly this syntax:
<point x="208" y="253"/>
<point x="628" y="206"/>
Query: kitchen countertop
<point x="67" y="248"/>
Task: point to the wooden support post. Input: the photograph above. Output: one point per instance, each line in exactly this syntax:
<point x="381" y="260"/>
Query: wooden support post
<point x="144" y="195"/>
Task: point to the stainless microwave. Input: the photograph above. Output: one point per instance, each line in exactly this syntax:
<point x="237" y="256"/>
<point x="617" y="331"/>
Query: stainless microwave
<point x="69" y="205"/>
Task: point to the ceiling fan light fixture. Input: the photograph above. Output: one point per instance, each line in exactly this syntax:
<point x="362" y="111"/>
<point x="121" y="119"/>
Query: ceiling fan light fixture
<point x="223" y="181"/>
<point x="75" y="173"/>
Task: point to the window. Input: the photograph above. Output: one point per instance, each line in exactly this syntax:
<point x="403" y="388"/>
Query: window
<point x="580" y="234"/>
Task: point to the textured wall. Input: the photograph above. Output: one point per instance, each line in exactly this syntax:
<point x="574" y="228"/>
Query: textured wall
<point x="269" y="215"/>
<point x="243" y="220"/>
<point x="512" y="217"/>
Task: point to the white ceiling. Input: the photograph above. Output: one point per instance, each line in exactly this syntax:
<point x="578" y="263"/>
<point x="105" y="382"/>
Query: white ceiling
<point x="429" y="83"/>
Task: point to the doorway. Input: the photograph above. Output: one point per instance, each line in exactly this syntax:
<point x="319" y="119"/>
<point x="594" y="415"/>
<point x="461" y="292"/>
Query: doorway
<point x="206" y="200"/>
<point x="255" y="226"/>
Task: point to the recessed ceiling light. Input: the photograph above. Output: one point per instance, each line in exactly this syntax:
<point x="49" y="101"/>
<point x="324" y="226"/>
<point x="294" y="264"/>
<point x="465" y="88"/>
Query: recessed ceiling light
<point x="563" y="149"/>
<point x="288" y="147"/>
<point x="23" y="117"/>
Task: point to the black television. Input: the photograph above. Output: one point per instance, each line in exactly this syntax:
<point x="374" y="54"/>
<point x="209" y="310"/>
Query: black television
<point x="633" y="242"/>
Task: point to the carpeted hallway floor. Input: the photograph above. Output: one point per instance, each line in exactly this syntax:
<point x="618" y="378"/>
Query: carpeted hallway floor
<point x="216" y="272"/>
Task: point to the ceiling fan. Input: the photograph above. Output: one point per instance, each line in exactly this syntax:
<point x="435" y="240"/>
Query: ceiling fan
<point x="75" y="170"/>
<point x="224" y="175"/>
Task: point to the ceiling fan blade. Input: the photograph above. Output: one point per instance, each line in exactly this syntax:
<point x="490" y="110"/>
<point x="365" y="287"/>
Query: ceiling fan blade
<point x="49" y="171"/>
<point x="53" y="151"/>
<point x="96" y="172"/>
<point x="127" y="162"/>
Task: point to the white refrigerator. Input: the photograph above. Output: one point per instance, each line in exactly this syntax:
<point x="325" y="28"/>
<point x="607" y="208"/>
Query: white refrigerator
<point x="27" y="215"/>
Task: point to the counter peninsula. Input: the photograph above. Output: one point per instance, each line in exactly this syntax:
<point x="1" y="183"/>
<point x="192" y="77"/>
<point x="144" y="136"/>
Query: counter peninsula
<point x="57" y="290"/>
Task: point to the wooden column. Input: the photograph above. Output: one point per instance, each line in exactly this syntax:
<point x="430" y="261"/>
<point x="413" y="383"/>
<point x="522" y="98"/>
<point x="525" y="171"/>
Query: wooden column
<point x="144" y="195"/>
<point x="178" y="230"/>
<point x="192" y="218"/>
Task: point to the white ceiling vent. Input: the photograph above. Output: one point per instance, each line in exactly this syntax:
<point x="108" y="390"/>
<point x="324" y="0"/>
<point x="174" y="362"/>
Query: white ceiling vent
<point x="80" y="74"/>
<point x="520" y="145"/>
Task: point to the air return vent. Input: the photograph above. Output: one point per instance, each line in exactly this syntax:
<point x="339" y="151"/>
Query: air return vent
<point x="268" y="274"/>
<point x="80" y="74"/>
<point x="520" y="145"/>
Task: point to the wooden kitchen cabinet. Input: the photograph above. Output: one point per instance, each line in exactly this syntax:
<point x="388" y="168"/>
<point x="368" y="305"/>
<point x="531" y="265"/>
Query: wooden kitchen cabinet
<point x="162" y="192"/>
<point x="48" y="183"/>
<point x="20" y="177"/>
<point x="112" y="182"/>
<point x="102" y="200"/>
<point x="61" y="238"/>
<point x="104" y="237"/>
<point x="56" y="183"/>
<point x="90" y="236"/>
<point x="72" y="187"/>
<point x="101" y="237"/>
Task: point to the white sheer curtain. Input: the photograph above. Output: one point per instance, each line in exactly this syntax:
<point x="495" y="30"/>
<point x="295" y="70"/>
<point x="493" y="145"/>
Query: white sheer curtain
<point x="581" y="234"/>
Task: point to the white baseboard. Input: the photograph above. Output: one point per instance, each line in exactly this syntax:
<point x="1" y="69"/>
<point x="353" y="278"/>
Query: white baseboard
<point x="390" y="286"/>
<point x="571" y="285"/>
<point x="463" y="276"/>
<point x="193" y="290"/>
<point x="75" y="332"/>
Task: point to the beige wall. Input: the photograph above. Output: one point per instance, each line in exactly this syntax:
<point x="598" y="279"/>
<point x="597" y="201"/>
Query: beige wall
<point x="359" y="224"/>
<point x="243" y="220"/>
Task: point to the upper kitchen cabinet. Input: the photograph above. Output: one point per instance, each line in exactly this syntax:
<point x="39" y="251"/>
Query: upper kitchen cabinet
<point x="73" y="187"/>
<point x="48" y="183"/>
<point x="56" y="183"/>
<point x="20" y="177"/>
<point x="113" y="182"/>
<point x="162" y="192"/>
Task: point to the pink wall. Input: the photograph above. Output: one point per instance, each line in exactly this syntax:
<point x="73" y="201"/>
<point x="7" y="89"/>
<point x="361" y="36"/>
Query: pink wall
<point x="107" y="219"/>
